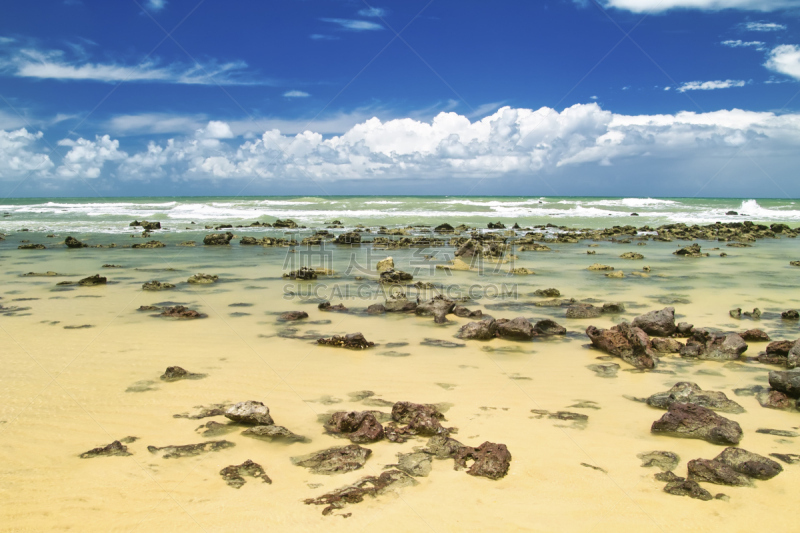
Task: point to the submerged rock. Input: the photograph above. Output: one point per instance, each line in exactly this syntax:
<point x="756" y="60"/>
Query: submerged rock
<point x="293" y="315"/>
<point x="607" y="370"/>
<point x="685" y="392"/>
<point x="696" y="422"/>
<point x="149" y="244"/>
<point x="115" y="448"/>
<point x="666" y="461"/>
<point x="367" y="486"/>
<point x="583" y="311"/>
<point x="180" y="311"/>
<point x="72" y="242"/>
<point x="351" y="341"/>
<point x="274" y="433"/>
<point x="202" y="279"/>
<point x="624" y="341"/>
<point x="438" y="307"/>
<point x="548" y="328"/>
<point x="190" y="450"/>
<point x="91" y="281"/>
<point x="689" y="488"/>
<point x="336" y="460"/>
<point x="376" y="309"/>
<point x="395" y="276"/>
<point x="772" y="399"/>
<point x="547" y="293"/>
<point x="157" y="286"/>
<point x="690" y="251"/>
<point x="233" y="475"/>
<point x="303" y="273"/>
<point x="463" y="312"/>
<point x="417" y="464"/>
<point x="250" y="412"/>
<point x="490" y="460"/>
<point x="658" y="323"/>
<point x="326" y="306"/>
<point x="218" y="239"/>
<point x="176" y="373"/>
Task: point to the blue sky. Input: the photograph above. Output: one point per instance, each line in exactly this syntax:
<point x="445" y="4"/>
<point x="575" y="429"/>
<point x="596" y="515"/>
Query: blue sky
<point x="602" y="97"/>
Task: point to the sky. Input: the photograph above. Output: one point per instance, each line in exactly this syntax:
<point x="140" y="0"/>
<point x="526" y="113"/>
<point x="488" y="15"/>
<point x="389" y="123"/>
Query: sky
<point x="458" y="97"/>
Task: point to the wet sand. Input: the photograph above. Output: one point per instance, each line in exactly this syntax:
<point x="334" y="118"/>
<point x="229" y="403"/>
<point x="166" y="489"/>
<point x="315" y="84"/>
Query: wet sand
<point x="64" y="391"/>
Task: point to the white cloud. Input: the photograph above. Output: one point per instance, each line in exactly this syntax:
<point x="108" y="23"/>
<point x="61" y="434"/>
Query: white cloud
<point x="154" y="123"/>
<point x="85" y="158"/>
<point x="764" y="26"/>
<point x="785" y="59"/>
<point x="296" y="94"/>
<point x="156" y="5"/>
<point x="710" y="85"/>
<point x="373" y="12"/>
<point x="354" y="25"/>
<point x="19" y="156"/>
<point x="215" y="130"/>
<point x="738" y="43"/>
<point x="667" y="88"/>
<point x="321" y="37"/>
<point x="58" y="65"/>
<point x="659" y="6"/>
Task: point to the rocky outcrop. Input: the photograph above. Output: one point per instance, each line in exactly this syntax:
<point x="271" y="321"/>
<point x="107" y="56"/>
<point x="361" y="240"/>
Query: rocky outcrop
<point x="326" y="306"/>
<point x="481" y="331"/>
<point x="149" y="244"/>
<point x="372" y="486"/>
<point x="754" y="335"/>
<point x="583" y="311"/>
<point x="92" y="281"/>
<point x="287" y="224"/>
<point x="463" y="312"/>
<point x="490" y="460"/>
<point x="218" y="239"/>
<point x="202" y="279"/>
<point x="438" y="307"/>
<point x="687" y="487"/>
<point x="360" y="427"/>
<point x="157" y="286"/>
<point x="714" y="346"/>
<point x="351" y="341"/>
<point x="786" y="382"/>
<point x="685" y="392"/>
<point x="190" y="450"/>
<point x="348" y="238"/>
<point x="717" y="473"/>
<point x="748" y="463"/>
<point x="115" y="448"/>
<point x="690" y="251"/>
<point x="548" y="328"/>
<point x="666" y="345"/>
<point x="303" y="273"/>
<point x="419" y="419"/>
<point x="336" y="460"/>
<point x="291" y="316"/>
<point x="385" y="264"/>
<point x="176" y="373"/>
<point x="629" y="343"/>
<point x="399" y="304"/>
<point x="273" y="432"/>
<point x="696" y="422"/>
<point x="518" y="329"/>
<point x="250" y="412"/>
<point x="376" y="309"/>
<point x="180" y="311"/>
<point x="233" y="475"/>
<point x="658" y="323"/>
<point x="547" y="293"/>
<point x="395" y="276"/>
<point x="72" y="242"/>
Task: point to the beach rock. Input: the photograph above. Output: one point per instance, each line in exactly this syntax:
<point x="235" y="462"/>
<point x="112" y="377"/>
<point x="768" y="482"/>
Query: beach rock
<point x="714" y="346"/>
<point x="303" y="273"/>
<point x="420" y="419"/>
<point x="351" y="341"/>
<point x="791" y="314"/>
<point x="481" y="331"/>
<point x="360" y="427"/>
<point x="115" y="448"/>
<point x="717" y="473"/>
<point x="72" y="242"/>
<point x="150" y="226"/>
<point x="31" y="247"/>
<point x="417" y="464"/>
<point x="786" y="382"/>
<point x="92" y="281"/>
<point x="583" y="311"/>
<point x="438" y="307"/>
<point x="157" y="286"/>
<point x="631" y="255"/>
<point x="233" y="475"/>
<point x="666" y="345"/>
<point x="613" y="308"/>
<point x="273" y="432"/>
<point x="202" y="279"/>
<point x="685" y="392"/>
<point x="519" y="329"/>
<point x="490" y="460"/>
<point x="616" y="274"/>
<point x="191" y="450"/>
<point x="326" y="306"/>
<point x="696" y="422"/>
<point x="336" y="460"/>
<point x="149" y="245"/>
<point x="180" y="311"/>
<point x="442" y="447"/>
<point x="250" y="412"/>
<point x="218" y="239"/>
<point x="624" y="341"/>
<point x="547" y="293"/>
<point x="521" y="272"/>
<point x="348" y="238"/>
<point x="548" y="328"/>
<point x="444" y="228"/>
<point x="748" y="463"/>
<point x="684" y="329"/>
<point x="288" y="224"/>
<point x="735" y="313"/>
<point x="176" y="373"/>
<point x="385" y="264"/>
<point x="376" y="309"/>
<point x="399" y="304"/>
<point x="754" y="335"/>
<point x="248" y="241"/>
<point x="463" y="312"/>
<point x="658" y="323"/>
<point x="772" y="399"/>
<point x="367" y="486"/>
<point x="793" y="357"/>
<point x="668" y="477"/>
<point x="395" y="276"/>
<point x="599" y="267"/>
<point x="690" y="251"/>
<point x="666" y="461"/>
<point x="689" y="488"/>
<point x="292" y="315"/>
<point x="606" y="370"/>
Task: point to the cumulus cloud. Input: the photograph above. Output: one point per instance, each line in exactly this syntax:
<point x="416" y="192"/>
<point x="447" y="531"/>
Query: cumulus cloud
<point x="32" y="62"/>
<point x="785" y="59"/>
<point x="764" y="26"/>
<point x="19" y="155"/>
<point x="509" y="142"/>
<point x="296" y="94"/>
<point x="659" y="6"/>
<point x="354" y="25"/>
<point x="86" y="158"/>
<point x="710" y="85"/>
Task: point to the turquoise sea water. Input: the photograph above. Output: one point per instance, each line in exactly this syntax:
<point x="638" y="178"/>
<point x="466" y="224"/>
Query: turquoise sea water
<point x="112" y="215"/>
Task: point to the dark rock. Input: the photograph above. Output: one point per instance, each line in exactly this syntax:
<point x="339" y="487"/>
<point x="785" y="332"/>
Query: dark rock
<point x="490" y="460"/>
<point x="786" y="382"/>
<point x="150" y="226"/>
<point x="548" y="328"/>
<point x="717" y="473"/>
<point x="348" y="238"/>
<point x="303" y="273"/>
<point x="367" y="486"/>
<point x="176" y="373"/>
<point x="666" y="345"/>
<point x="72" y="242"/>
<point x="376" y="309"/>
<point x="190" y="450"/>
<point x="359" y="427"/>
<point x="115" y="448"/>
<point x="438" y="307"/>
<point x="629" y="343"/>
<point x="519" y="329"/>
<point x="399" y="305"/>
<point x="685" y="392"/>
<point x="31" y="247"/>
<point x="668" y="477"/>
<point x="420" y="419"/>
<point x="251" y="412"/>
<point x="463" y="312"/>
<point x="496" y="225"/>
<point x="91" y="281"/>
<point x="248" y="241"/>
<point x="157" y="286"/>
<point x="444" y="228"/>
<point x="688" y="488"/>
<point x="547" y="293"/>
<point x="777" y="353"/>
<point x="690" y="251"/>
<point x="233" y="475"/>
<point x="442" y="446"/>
<point x="790" y="315"/>
<point x="696" y="422"/>
<point x="666" y="461"/>
<point x="684" y="329"/>
<point x="735" y="313"/>
<point x="149" y="245"/>
<point x="273" y="433"/>
<point x="754" y="335"/>
<point x="482" y="331"/>
<point x="613" y="308"/>
<point x="180" y="311"/>
<point x="202" y="279"/>
<point x="712" y="346"/>
<point x="772" y="399"/>
<point x="395" y="276"/>
<point x="788" y="458"/>
<point x="659" y="323"/>
<point x="293" y="315"/>
<point x="351" y="341"/>
<point x="583" y="311"/>
<point x="336" y="460"/>
<point x="326" y="306"/>
<point x="748" y="463"/>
